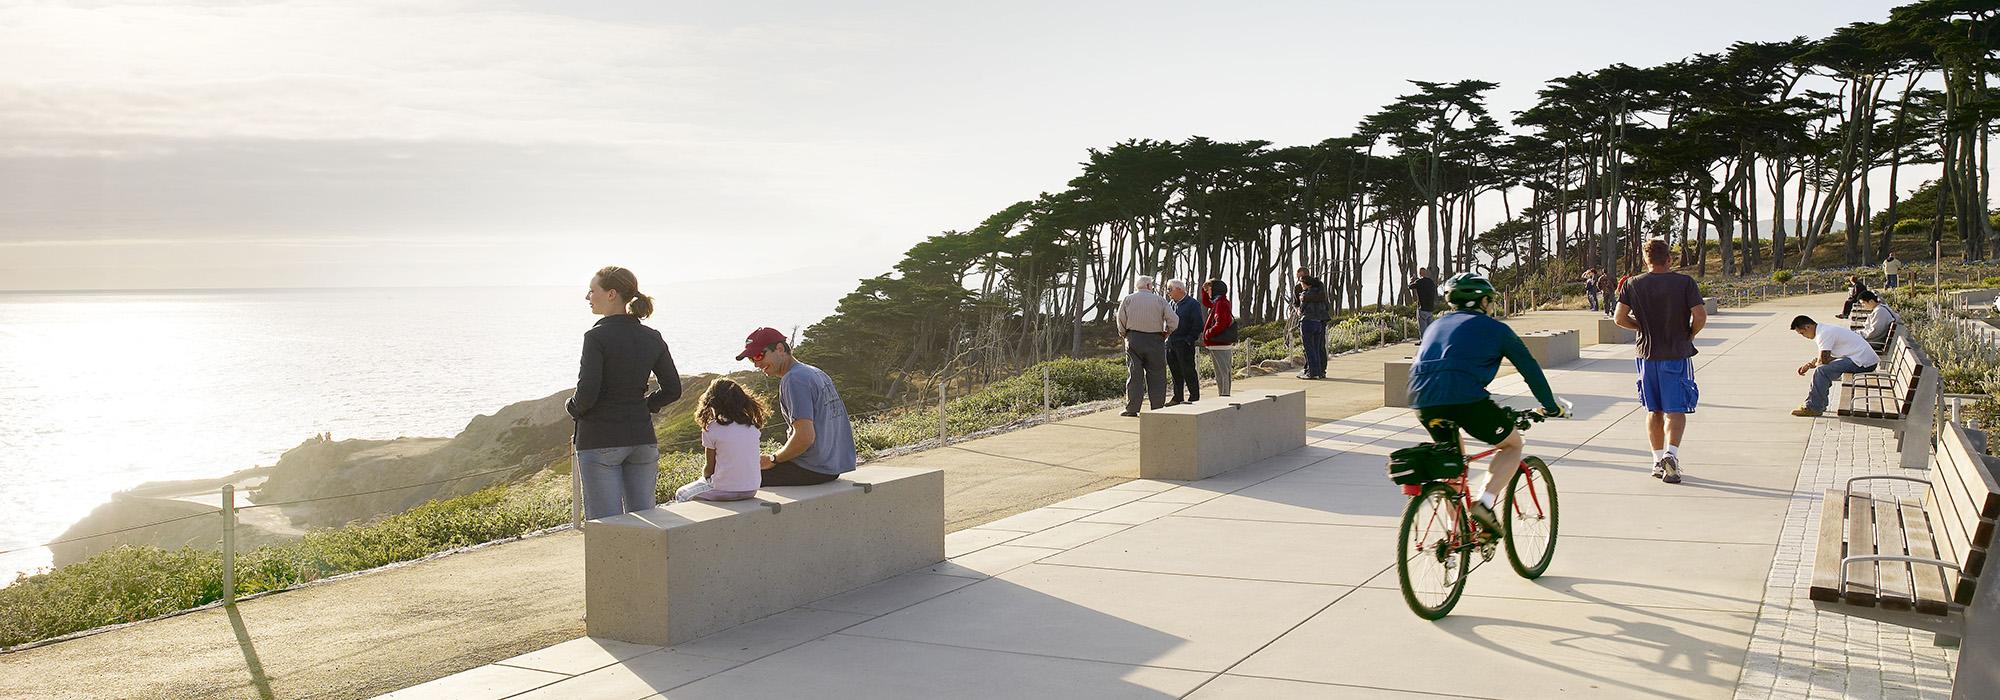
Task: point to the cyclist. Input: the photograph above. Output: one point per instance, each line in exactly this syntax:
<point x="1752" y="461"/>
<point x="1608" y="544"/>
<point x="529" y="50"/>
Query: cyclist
<point x="1457" y="357"/>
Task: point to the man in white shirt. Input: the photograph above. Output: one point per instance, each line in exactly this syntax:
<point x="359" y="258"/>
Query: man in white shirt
<point x="1144" y="320"/>
<point x="1880" y="319"/>
<point x="1841" y="351"/>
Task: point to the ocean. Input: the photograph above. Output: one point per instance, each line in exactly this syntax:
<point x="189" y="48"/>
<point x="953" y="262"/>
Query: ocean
<point x="102" y="391"/>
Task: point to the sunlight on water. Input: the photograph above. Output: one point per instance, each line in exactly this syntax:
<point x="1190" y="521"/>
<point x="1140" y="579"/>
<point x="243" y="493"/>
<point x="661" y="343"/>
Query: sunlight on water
<point x="100" y="392"/>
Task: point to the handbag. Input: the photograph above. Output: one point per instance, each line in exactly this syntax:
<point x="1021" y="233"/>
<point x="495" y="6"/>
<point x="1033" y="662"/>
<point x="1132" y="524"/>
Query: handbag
<point x="1230" y="334"/>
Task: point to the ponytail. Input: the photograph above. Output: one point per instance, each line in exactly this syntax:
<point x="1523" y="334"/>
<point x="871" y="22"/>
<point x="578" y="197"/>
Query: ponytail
<point x="626" y="284"/>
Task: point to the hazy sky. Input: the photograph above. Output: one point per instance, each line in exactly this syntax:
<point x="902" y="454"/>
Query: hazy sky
<point x="222" y="144"/>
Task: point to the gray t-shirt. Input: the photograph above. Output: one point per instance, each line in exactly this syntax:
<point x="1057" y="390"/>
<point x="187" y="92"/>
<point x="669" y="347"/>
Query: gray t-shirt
<point x="806" y="393"/>
<point x="1661" y="302"/>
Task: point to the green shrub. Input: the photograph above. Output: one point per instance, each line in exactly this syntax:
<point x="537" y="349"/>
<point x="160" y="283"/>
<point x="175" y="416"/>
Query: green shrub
<point x="1781" y="276"/>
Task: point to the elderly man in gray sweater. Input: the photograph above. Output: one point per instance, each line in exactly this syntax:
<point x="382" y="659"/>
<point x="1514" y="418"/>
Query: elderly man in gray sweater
<point x="1144" y="320"/>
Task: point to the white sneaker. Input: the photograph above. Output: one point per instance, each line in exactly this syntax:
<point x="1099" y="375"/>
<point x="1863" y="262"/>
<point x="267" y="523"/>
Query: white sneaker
<point x="1660" y="468"/>
<point x="1671" y="470"/>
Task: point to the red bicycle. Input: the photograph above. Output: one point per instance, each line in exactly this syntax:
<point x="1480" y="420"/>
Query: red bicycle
<point x="1438" y="538"/>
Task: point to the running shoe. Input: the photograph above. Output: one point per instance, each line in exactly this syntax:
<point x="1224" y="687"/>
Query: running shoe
<point x="1483" y="515"/>
<point x="1670" y="470"/>
<point x="1660" y="468"/>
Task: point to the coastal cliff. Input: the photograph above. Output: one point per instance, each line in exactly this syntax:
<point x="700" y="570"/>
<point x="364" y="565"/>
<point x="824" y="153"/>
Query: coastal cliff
<point x="328" y="483"/>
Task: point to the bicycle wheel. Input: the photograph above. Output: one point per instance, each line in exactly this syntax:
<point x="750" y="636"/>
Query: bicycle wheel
<point x="1431" y="559"/>
<point x="1531" y="516"/>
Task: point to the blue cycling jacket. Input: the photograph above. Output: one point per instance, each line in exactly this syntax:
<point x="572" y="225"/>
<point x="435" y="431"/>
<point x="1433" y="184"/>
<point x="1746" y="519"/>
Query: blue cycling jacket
<point x="1460" y="354"/>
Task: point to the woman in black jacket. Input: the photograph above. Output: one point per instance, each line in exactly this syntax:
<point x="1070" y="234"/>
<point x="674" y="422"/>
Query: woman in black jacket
<point x="617" y="453"/>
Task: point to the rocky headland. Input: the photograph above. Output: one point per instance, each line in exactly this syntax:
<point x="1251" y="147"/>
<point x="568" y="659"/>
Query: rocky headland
<point x="328" y="483"/>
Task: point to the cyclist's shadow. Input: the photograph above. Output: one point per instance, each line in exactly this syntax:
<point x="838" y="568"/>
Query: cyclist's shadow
<point x="1670" y="645"/>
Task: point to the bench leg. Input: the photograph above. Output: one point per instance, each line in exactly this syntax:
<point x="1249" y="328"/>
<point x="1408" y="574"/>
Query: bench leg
<point x="1945" y="640"/>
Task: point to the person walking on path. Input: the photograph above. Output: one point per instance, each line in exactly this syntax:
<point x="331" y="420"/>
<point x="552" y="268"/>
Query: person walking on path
<point x="1424" y="291"/>
<point x="1666" y="308"/>
<point x="1315" y="310"/>
<point x="1181" y="343"/>
<point x="1144" y="320"/>
<point x="819" y="439"/>
<point x="1890" y="268"/>
<point x="1218" y="336"/>
<point x="617" y="452"/>
<point x="1590" y="288"/>
<point x="1841" y="351"/>
<point x="1855" y="287"/>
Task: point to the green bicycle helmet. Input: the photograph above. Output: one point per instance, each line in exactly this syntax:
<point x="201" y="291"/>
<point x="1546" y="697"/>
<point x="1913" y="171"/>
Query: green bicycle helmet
<point x="1465" y="289"/>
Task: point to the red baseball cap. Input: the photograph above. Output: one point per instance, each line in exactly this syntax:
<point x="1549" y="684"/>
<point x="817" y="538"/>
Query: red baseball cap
<point x="760" y="339"/>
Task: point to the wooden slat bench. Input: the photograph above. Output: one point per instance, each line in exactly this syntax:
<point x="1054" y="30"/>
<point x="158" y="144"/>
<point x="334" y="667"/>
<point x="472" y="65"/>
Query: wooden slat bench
<point x="1901" y="395"/>
<point x="1909" y="561"/>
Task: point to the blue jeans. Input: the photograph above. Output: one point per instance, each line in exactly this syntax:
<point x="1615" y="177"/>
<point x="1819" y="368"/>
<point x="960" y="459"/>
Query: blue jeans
<point x="1423" y="322"/>
<point x="1591" y="294"/>
<point x="617" y="480"/>
<point x="1825" y="375"/>
<point x="1313" y="334"/>
<point x="1892" y="282"/>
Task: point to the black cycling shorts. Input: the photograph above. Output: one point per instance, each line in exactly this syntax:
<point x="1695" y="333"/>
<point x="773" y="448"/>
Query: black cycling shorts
<point x="1484" y="420"/>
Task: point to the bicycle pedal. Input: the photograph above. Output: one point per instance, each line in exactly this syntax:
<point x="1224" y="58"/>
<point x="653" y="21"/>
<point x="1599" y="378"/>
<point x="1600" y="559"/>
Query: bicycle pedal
<point x="1486" y="550"/>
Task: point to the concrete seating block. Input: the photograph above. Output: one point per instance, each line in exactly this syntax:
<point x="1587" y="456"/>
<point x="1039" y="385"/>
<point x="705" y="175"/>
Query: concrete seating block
<point x="677" y="572"/>
<point x="1609" y="333"/>
<point x="1396" y="382"/>
<point x="1708" y="303"/>
<point x="1554" y="348"/>
<point x="1200" y="440"/>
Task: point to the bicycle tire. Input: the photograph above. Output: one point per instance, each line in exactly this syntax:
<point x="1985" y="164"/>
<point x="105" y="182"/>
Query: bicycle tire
<point x="1531" y="526"/>
<point x="1453" y="558"/>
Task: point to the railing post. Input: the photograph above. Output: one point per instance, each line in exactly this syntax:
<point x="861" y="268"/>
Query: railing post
<point x="228" y="544"/>
<point x="1047" y="400"/>
<point x="941" y="429"/>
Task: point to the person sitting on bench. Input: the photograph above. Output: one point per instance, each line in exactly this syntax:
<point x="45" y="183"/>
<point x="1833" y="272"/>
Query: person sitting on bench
<point x="1880" y="319"/>
<point x="1841" y="351"/>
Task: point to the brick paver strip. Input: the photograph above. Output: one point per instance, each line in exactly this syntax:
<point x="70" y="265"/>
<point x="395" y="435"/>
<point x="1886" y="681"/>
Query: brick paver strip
<point x="1798" y="652"/>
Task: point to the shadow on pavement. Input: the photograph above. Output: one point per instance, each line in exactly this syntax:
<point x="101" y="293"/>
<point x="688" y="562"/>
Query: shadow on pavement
<point x="257" y="677"/>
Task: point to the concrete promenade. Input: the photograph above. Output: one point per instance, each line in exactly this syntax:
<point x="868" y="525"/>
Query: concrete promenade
<point x="1277" y="580"/>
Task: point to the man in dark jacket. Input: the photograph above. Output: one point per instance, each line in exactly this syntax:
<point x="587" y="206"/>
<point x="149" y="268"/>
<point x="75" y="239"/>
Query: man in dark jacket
<point x="1181" y="343"/>
<point x="1315" y="310"/>
<point x="1855" y="288"/>
<point x="1424" y="291"/>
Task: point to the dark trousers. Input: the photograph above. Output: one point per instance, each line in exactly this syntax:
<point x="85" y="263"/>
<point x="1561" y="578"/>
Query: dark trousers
<point x="1313" y="333"/>
<point x="1892" y="282"/>
<point x="1847" y="308"/>
<point x="789" y="473"/>
<point x="1180" y="364"/>
<point x="1145" y="369"/>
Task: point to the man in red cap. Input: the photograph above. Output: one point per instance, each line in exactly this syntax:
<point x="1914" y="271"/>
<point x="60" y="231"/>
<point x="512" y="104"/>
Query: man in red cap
<point x="819" y="440"/>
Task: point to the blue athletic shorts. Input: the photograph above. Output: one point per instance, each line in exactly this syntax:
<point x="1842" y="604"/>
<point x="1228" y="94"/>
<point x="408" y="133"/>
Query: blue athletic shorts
<point x="1667" y="386"/>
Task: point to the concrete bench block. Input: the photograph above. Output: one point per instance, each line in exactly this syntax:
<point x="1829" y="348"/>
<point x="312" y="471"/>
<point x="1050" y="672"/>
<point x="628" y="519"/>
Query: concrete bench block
<point x="1396" y="382"/>
<point x="1200" y="440"/>
<point x="1554" y="348"/>
<point x="1708" y="304"/>
<point x="677" y="572"/>
<point x="1609" y="333"/>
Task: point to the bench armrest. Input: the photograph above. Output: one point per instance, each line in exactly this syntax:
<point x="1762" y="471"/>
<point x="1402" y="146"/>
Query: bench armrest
<point x="1859" y="558"/>
<point x="1849" y="491"/>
